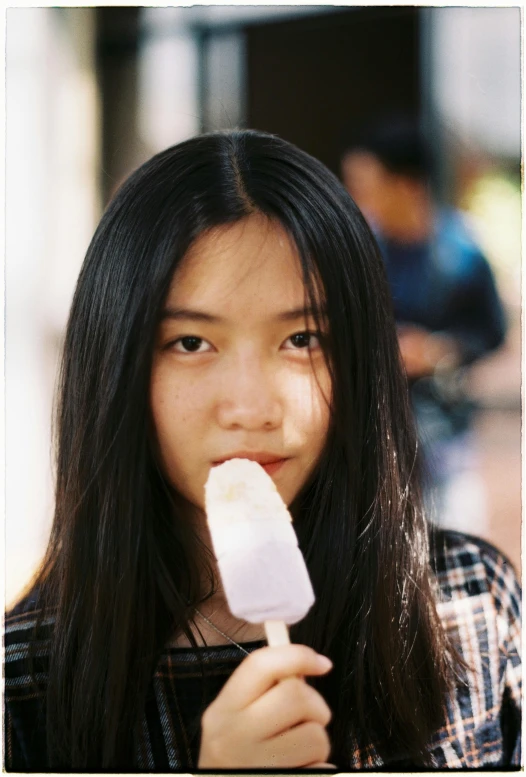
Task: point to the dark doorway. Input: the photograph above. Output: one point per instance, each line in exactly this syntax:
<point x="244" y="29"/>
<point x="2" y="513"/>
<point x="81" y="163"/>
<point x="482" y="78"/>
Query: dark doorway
<point x="310" y="78"/>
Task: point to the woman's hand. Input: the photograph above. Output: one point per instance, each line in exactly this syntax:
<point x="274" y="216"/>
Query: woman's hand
<point x="266" y="715"/>
<point x="423" y="352"/>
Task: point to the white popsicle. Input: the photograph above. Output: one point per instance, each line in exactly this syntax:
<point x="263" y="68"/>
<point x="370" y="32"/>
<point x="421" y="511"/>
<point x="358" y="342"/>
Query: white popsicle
<point x="262" y="569"/>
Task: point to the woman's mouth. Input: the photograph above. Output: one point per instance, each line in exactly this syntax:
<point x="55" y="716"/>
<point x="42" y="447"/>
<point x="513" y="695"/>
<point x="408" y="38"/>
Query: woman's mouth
<point x="274" y="466"/>
<point x="271" y="464"/>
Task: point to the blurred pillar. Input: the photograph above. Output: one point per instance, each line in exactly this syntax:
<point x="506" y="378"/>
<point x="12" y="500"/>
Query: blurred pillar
<point x="28" y="491"/>
<point x="442" y="174"/>
<point x="223" y="97"/>
<point x="473" y="60"/>
<point x="51" y="207"/>
<point x="74" y="155"/>
<point x="117" y="49"/>
<point x="169" y="73"/>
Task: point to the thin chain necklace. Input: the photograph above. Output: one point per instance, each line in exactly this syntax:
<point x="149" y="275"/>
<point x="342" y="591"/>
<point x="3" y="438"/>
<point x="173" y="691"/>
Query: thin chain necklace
<point x="207" y="620"/>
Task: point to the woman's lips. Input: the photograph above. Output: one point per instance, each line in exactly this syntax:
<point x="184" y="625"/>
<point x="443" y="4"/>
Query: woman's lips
<point x="274" y="466"/>
<point x="270" y="465"/>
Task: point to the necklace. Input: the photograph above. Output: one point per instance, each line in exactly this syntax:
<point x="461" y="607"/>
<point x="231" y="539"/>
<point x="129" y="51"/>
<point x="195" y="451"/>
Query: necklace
<point x="207" y="620"/>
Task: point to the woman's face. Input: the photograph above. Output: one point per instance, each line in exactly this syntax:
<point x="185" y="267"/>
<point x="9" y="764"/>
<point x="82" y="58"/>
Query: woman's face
<point x="238" y="370"/>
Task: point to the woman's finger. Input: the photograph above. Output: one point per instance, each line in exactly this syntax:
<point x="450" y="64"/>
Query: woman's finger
<point x="267" y="666"/>
<point x="286" y="705"/>
<point x="300" y="746"/>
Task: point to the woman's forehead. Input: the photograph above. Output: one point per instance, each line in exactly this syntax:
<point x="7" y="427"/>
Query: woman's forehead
<point x="254" y="257"/>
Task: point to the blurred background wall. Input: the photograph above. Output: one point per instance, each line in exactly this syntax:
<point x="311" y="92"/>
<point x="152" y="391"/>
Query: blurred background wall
<point x="93" y="92"/>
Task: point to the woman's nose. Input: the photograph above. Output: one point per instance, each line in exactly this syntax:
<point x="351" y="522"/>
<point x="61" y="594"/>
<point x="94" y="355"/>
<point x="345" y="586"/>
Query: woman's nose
<point x="249" y="397"/>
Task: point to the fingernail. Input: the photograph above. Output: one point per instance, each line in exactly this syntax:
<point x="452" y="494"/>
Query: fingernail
<point x="324" y="662"/>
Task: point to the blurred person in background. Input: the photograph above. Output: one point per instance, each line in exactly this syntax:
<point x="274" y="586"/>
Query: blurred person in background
<point x="446" y="304"/>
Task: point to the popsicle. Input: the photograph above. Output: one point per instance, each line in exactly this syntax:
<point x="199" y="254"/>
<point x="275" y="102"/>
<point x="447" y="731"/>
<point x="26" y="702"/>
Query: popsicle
<point x="261" y="566"/>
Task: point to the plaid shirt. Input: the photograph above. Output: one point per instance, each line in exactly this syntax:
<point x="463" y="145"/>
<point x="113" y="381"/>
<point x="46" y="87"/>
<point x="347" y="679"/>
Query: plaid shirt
<point x="479" y="603"/>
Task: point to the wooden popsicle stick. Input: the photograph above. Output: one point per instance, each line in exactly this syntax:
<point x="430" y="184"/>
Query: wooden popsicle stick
<point x="277" y="633"/>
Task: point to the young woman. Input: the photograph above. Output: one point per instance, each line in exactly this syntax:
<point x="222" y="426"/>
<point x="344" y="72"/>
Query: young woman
<point x="233" y="303"/>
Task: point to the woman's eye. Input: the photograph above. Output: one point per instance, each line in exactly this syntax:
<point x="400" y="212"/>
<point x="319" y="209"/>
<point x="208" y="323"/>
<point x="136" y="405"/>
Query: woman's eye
<point x="191" y="344"/>
<point x="303" y="340"/>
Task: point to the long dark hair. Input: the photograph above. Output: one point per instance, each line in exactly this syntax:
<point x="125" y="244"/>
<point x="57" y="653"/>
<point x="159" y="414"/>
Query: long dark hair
<point x="121" y="573"/>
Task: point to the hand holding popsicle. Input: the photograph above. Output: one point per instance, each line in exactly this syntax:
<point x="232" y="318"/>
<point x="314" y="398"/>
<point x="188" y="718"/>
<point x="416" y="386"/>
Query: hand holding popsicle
<point x="266" y="715"/>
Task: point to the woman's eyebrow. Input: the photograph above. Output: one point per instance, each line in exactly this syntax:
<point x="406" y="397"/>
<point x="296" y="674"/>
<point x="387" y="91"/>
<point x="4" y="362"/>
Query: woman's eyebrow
<point x="187" y="314"/>
<point x="297" y="313"/>
<point x="190" y="315"/>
